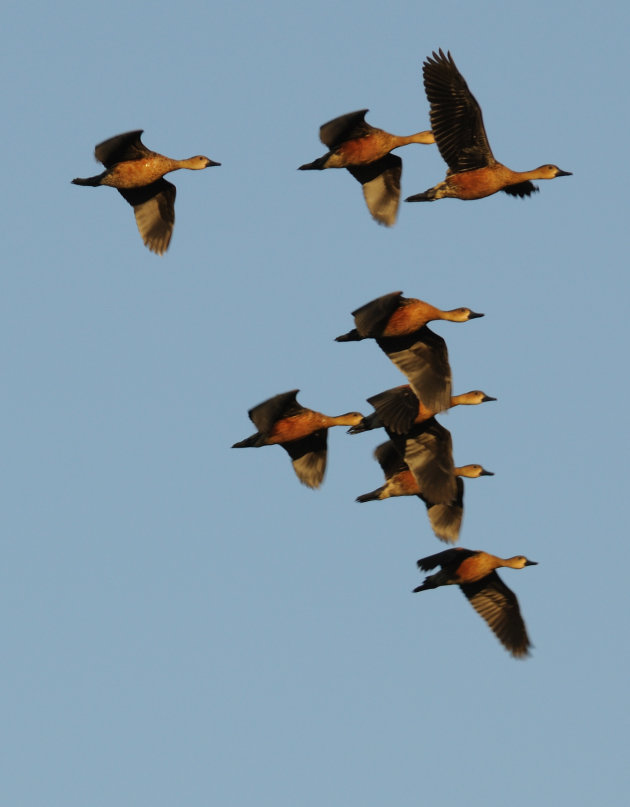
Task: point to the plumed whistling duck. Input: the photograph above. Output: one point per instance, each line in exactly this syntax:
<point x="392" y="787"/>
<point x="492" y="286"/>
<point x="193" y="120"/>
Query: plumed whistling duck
<point x="302" y="432"/>
<point x="365" y="152"/>
<point x="445" y="517"/>
<point x="399" y="409"/>
<point x="138" y="175"/>
<point x="474" y="572"/>
<point x="473" y="172"/>
<point x="399" y="326"/>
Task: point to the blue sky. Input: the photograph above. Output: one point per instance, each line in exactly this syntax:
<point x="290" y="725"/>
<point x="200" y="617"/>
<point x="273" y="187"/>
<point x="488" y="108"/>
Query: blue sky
<point x="187" y="624"/>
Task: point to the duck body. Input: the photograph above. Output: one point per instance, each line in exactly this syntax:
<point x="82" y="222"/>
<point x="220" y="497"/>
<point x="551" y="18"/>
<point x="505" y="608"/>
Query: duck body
<point x="457" y="123"/>
<point x="302" y="432"/>
<point x="482" y="182"/>
<point x="138" y="174"/>
<point x="365" y="151"/>
<point x="474" y="572"/>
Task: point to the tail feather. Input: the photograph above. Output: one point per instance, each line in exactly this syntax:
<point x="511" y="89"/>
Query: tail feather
<point x="351" y="336"/>
<point x="316" y="165"/>
<point x="427" y="196"/>
<point x="249" y="442"/>
<point x="93" y="182"/>
<point x="373" y="496"/>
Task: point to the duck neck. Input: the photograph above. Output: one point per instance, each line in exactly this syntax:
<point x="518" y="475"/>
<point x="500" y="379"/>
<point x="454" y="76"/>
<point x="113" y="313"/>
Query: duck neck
<point x="425" y="138"/>
<point x="349" y="419"/>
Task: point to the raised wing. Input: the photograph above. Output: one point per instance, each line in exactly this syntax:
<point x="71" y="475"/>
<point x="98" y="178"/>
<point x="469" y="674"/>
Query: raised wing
<point x="127" y="146"/>
<point x="456" y="118"/>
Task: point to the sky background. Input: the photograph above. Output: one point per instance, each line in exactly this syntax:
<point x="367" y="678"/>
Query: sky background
<point x="183" y="624"/>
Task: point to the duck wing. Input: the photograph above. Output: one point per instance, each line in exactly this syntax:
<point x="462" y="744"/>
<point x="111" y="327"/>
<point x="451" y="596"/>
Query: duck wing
<point x="423" y="357"/>
<point x="396" y="408"/>
<point x="308" y="456"/>
<point x="456" y="118"/>
<point x="267" y="413"/>
<point x="446" y="559"/>
<point x="380" y="181"/>
<point x="521" y="189"/>
<point x="390" y="459"/>
<point x="370" y="319"/>
<point x="120" y="148"/>
<point x="446" y="518"/>
<point x="497" y="604"/>
<point x="154" y="208"/>
<point x="345" y="127"/>
<point x="428" y="451"/>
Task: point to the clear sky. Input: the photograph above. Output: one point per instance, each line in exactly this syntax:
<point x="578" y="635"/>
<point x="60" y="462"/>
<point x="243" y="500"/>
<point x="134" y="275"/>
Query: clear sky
<point x="184" y="624"/>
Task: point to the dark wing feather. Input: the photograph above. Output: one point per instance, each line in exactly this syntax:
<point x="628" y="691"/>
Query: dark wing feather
<point x="372" y="317"/>
<point x="428" y="451"/>
<point x="422" y="356"/>
<point x="309" y="457"/>
<point x="390" y="459"/>
<point x="267" y="413"/>
<point x="127" y="146"/>
<point x="446" y="518"/>
<point x="380" y="181"/>
<point x="447" y="559"/>
<point x="345" y="127"/>
<point x="521" y="189"/>
<point x="497" y="604"/>
<point x="396" y="408"/>
<point x="154" y="208"/>
<point x="456" y="118"/>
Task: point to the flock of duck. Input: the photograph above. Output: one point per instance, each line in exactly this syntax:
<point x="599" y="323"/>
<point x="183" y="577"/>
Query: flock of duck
<point x="417" y="459"/>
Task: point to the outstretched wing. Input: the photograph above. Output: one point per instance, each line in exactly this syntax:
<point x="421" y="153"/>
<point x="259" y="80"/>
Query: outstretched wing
<point x="380" y="181"/>
<point x="456" y="118"/>
<point x="446" y="518"/>
<point x="497" y="604"/>
<point x="428" y="451"/>
<point x="308" y="456"/>
<point x="422" y="356"/>
<point x="154" y="208"/>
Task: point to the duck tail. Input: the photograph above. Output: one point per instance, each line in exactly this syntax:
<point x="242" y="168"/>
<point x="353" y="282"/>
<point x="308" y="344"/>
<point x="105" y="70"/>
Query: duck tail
<point x="93" y="182"/>
<point x="249" y="442"/>
<point x="373" y="496"/>
<point x="427" y="196"/>
<point x="351" y="336"/>
<point x="316" y="165"/>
